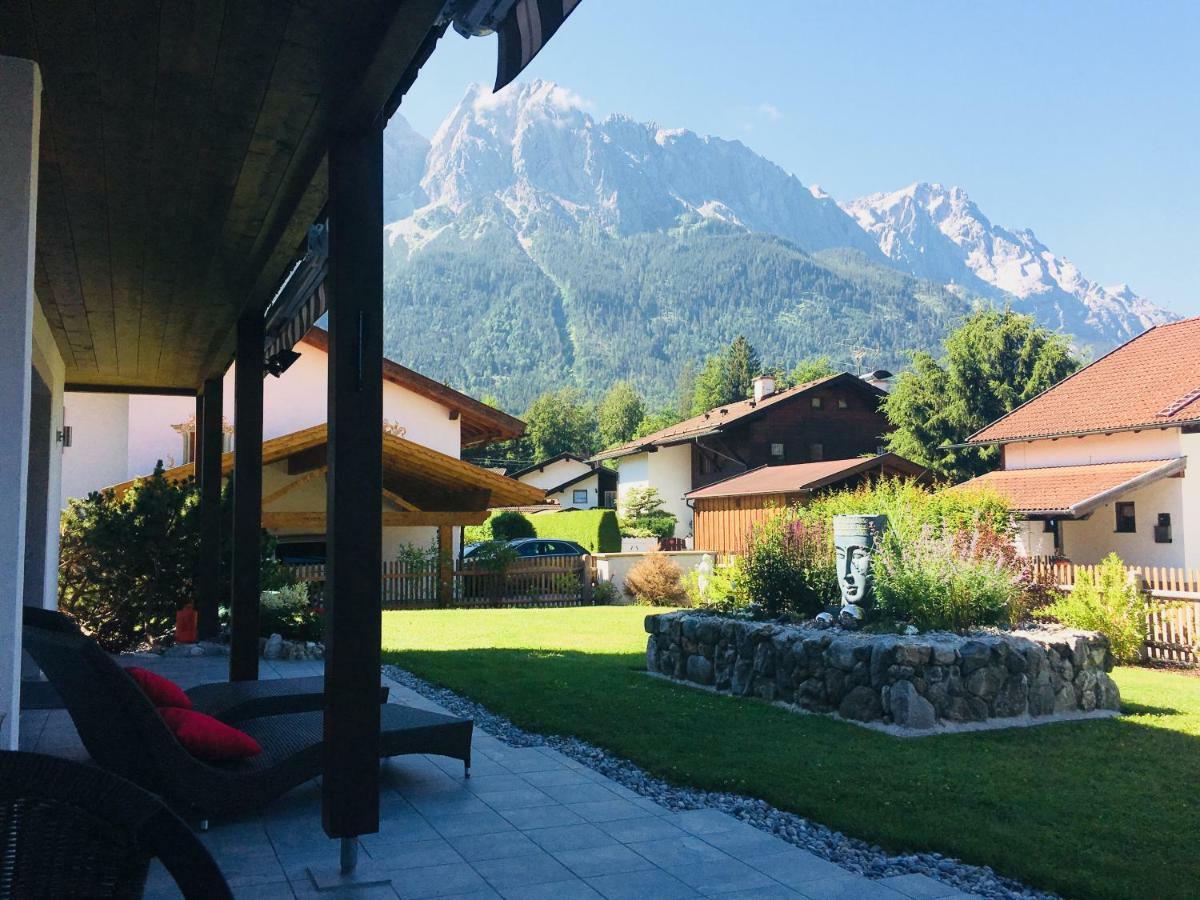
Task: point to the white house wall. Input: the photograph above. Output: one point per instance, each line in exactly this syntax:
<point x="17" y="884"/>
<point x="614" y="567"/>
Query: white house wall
<point x="119" y="436"/>
<point x="1088" y="541"/>
<point x="1122" y="446"/>
<point x="555" y="473"/>
<point x="99" y="451"/>
<point x="565" y="498"/>
<point x="670" y="471"/>
<point x="1189" y="446"/>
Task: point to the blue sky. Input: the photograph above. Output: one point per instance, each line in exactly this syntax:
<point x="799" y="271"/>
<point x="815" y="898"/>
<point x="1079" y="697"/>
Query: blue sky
<point x="1080" y="120"/>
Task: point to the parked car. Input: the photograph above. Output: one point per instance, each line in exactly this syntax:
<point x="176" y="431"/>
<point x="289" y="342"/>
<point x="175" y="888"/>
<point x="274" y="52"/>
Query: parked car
<point x="535" y="548"/>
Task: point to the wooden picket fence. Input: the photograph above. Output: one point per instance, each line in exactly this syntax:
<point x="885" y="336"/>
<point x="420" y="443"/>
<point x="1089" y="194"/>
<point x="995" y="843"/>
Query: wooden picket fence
<point x="554" y="581"/>
<point x="1174" y="634"/>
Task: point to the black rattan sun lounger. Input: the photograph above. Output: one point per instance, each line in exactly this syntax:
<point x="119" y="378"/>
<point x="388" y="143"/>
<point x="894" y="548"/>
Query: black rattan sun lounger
<point x="229" y="701"/>
<point x="124" y="733"/>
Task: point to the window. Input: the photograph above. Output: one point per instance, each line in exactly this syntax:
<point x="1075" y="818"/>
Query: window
<point x="1162" y="531"/>
<point x="816" y="452"/>
<point x="816" y="402"/>
<point x="777" y="451"/>
<point x="579" y="496"/>
<point x="1126" y="521"/>
<point x="842" y="404"/>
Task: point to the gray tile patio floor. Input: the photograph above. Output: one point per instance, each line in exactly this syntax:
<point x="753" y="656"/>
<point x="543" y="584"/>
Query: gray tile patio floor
<point x="529" y="823"/>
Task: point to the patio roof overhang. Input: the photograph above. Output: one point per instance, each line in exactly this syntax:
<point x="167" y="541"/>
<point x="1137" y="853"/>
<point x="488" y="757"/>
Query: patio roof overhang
<point x="420" y="485"/>
<point x="183" y="157"/>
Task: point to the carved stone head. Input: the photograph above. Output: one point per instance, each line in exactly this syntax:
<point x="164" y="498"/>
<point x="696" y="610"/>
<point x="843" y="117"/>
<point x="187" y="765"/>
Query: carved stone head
<point x="854" y="540"/>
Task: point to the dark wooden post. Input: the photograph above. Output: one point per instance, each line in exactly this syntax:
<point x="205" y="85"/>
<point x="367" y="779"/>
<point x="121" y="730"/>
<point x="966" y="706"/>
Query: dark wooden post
<point x="445" y="565"/>
<point x="209" y="441"/>
<point x="354" y="512"/>
<point x="247" y="500"/>
<point x="197" y="449"/>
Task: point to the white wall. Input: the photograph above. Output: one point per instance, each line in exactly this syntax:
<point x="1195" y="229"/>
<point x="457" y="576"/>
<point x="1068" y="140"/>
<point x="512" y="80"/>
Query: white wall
<point x="118" y="436"/>
<point x="49" y="362"/>
<point x="670" y="471"/>
<point x="1088" y="541"/>
<point x="566" y="498"/>
<point x="1189" y="536"/>
<point x="20" y="126"/>
<point x="99" y="451"/>
<point x="1123" y="446"/>
<point x="555" y="474"/>
<point x="1032" y="539"/>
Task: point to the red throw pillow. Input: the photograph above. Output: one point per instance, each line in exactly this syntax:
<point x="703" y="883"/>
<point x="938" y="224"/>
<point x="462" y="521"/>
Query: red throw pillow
<point x="207" y="738"/>
<point x="161" y="691"/>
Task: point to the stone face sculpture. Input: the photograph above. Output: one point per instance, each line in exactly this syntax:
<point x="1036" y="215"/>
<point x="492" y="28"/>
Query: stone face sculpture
<point x="854" y="541"/>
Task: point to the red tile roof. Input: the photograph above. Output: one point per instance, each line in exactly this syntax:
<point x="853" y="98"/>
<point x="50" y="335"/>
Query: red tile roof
<point x="804" y="476"/>
<point x="1152" y="381"/>
<point x="719" y="417"/>
<point x="1072" y="490"/>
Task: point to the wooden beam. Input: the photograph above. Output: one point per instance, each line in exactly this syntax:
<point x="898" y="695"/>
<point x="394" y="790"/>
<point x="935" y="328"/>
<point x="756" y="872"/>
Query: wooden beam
<point x="398" y="500"/>
<point x="247" y="500"/>
<point x="350" y="786"/>
<point x="445" y="565"/>
<point x="316" y="521"/>
<point x="209" y="432"/>
<point x="286" y="489"/>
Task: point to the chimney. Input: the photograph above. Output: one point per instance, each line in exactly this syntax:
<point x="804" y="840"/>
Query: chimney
<point x="880" y="378"/>
<point x="764" y="386"/>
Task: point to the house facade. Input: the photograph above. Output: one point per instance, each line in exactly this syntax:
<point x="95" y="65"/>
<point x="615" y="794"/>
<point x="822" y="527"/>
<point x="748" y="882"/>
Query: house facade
<point x="118" y="437"/>
<point x="572" y="482"/>
<point x="832" y="418"/>
<point x="1107" y="460"/>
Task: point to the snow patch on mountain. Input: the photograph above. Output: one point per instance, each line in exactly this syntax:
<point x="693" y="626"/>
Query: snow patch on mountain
<point x="939" y="233"/>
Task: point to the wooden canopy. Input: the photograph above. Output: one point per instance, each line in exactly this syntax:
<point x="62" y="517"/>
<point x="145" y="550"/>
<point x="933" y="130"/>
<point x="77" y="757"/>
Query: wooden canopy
<point x="184" y="150"/>
<point x="420" y="486"/>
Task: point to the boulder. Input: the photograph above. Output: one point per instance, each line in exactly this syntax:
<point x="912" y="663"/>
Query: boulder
<point x="861" y="704"/>
<point x="1013" y="697"/>
<point x="840" y="653"/>
<point x="985" y="683"/>
<point x="699" y="670"/>
<point x="974" y="655"/>
<point x="909" y="709"/>
<point x="652" y="654"/>
<point x="273" y="649"/>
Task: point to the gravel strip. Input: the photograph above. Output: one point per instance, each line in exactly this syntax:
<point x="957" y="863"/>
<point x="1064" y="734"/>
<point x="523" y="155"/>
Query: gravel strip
<point x="849" y="853"/>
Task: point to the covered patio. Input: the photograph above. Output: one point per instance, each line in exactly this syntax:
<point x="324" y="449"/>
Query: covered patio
<point x="168" y="174"/>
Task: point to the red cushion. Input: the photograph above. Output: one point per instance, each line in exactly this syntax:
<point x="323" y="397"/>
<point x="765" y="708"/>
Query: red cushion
<point x="207" y="738"/>
<point x="161" y="691"/>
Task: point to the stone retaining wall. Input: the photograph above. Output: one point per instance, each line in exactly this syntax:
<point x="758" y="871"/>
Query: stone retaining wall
<point x="917" y="683"/>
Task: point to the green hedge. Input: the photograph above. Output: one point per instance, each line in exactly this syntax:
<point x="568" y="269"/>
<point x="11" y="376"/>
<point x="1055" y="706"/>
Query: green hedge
<point x="596" y="530"/>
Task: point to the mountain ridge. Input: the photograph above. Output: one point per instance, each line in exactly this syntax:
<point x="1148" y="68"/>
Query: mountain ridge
<point x="579" y="251"/>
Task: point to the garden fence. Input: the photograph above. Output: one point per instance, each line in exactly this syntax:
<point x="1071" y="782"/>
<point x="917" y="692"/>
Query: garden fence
<point x="554" y="581"/>
<point x="1174" y="634"/>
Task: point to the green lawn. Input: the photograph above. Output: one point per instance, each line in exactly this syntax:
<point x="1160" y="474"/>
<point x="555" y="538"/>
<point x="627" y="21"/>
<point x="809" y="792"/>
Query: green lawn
<point x="1102" y="808"/>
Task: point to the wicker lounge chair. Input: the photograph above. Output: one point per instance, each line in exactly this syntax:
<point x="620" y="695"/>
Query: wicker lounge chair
<point x="71" y="830"/>
<point x="229" y="701"/>
<point x="124" y="733"/>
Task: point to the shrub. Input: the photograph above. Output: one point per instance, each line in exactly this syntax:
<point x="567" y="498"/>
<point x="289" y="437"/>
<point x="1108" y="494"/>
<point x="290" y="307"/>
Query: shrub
<point x="604" y="593"/>
<point x="503" y="525"/>
<point x="595" y="530"/>
<point x="724" y="589"/>
<point x="510" y="525"/>
<point x="290" y="613"/>
<point x="1110" y="603"/>
<point x="656" y="581"/>
<point x="127" y="563"/>
<point x="642" y="515"/>
<point x="952" y="580"/>
<point x="913" y="510"/>
<point x="789" y="565"/>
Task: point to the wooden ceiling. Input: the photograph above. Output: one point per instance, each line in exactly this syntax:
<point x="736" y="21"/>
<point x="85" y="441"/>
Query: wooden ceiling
<point x="182" y="160"/>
